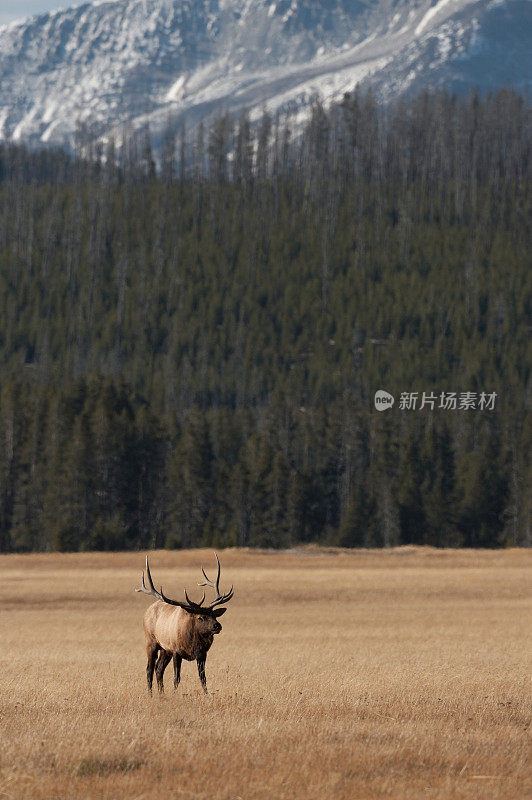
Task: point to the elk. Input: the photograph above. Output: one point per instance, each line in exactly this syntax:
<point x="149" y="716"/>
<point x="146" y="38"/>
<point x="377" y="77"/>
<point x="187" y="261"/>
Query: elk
<point x="180" y="630"/>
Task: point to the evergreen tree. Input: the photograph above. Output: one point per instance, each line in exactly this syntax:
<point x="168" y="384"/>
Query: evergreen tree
<point x="189" y="352"/>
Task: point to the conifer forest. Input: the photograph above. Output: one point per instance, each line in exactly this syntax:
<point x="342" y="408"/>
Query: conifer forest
<point x="192" y="331"/>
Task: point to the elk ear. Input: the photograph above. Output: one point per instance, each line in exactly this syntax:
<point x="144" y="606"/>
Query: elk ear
<point x="218" y="612"/>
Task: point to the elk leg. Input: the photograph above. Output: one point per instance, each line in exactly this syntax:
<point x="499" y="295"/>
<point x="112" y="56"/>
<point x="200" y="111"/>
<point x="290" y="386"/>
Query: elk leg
<point x="151" y="649"/>
<point x="177" y="670"/>
<point x="162" y="662"/>
<point x="201" y="673"/>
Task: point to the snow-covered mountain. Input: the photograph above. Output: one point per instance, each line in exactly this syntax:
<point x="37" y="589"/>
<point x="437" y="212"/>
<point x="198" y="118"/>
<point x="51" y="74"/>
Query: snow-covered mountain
<point x="134" y="61"/>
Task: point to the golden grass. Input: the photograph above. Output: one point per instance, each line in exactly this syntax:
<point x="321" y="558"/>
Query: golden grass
<point x="345" y="675"/>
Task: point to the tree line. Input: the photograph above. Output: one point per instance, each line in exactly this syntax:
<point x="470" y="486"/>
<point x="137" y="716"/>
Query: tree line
<point x="191" y="336"/>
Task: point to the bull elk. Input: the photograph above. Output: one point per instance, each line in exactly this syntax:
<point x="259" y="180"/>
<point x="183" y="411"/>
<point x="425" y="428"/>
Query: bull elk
<point x="180" y="630"/>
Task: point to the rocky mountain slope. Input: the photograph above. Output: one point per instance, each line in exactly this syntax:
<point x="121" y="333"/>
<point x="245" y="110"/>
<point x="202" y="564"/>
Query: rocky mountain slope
<point x="139" y="61"/>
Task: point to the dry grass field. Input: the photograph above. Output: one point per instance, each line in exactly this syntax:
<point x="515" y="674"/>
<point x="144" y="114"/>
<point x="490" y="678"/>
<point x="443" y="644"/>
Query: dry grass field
<point x="345" y="675"/>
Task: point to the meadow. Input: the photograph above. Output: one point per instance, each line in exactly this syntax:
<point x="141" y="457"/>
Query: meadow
<point x="352" y="675"/>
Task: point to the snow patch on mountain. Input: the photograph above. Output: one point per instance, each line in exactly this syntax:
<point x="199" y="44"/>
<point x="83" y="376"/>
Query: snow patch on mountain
<point x="430" y="14"/>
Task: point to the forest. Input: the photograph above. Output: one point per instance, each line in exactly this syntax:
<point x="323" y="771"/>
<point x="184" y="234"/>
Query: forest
<point x="192" y="334"/>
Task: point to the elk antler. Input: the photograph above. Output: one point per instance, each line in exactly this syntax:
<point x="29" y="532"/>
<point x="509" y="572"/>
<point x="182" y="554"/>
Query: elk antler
<point x="220" y="598"/>
<point x="190" y="606"/>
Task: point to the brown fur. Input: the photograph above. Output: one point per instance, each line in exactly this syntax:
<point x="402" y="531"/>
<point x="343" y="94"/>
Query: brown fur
<point x="173" y="631"/>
